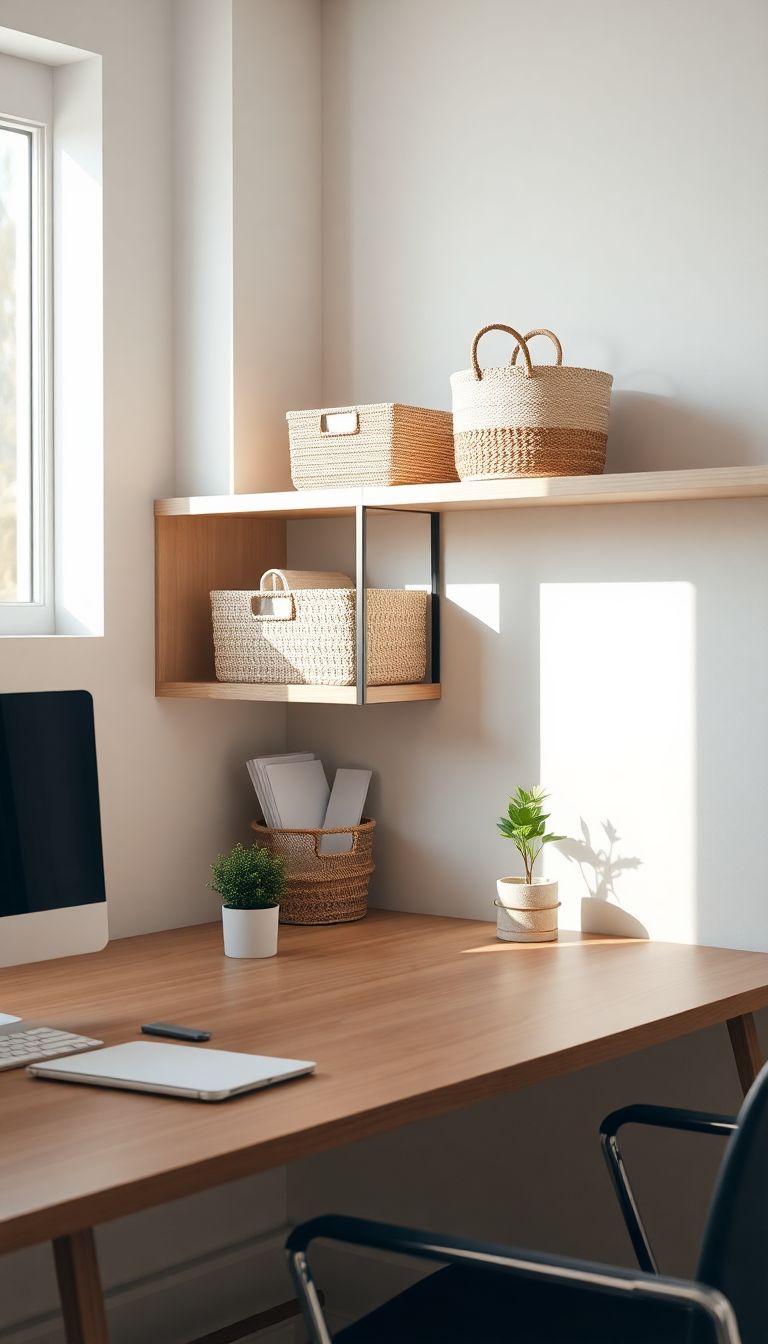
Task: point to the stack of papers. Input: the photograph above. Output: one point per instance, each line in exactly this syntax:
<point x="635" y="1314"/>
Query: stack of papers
<point x="293" y="792"/>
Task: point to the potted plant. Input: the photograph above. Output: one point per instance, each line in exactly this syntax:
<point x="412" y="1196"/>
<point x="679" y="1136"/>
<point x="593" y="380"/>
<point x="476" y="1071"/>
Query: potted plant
<point x="526" y="911"/>
<point x="250" y="882"/>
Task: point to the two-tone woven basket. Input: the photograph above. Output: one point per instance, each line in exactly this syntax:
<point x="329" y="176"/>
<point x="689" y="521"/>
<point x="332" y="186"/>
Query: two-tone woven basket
<point x="529" y="420"/>
<point x="322" y="888"/>
<point x="306" y="636"/>
<point x="383" y="444"/>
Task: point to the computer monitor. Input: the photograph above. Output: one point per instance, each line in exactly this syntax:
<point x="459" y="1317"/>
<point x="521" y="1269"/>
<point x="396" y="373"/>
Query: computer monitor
<point x="52" y="896"/>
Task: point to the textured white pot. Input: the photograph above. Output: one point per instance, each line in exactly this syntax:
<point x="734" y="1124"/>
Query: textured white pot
<point x="250" y="933"/>
<point x="526" y="912"/>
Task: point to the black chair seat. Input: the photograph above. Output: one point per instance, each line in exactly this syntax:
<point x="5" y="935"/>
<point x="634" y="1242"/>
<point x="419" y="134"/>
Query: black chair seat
<point x="482" y="1306"/>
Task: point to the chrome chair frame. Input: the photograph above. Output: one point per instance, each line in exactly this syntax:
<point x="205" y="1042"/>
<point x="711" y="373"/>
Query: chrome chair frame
<point x="658" y="1117"/>
<point x="600" y="1279"/>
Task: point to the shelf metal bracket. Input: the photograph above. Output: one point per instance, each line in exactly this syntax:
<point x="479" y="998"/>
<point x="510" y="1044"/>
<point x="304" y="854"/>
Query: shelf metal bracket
<point x="361" y="597"/>
<point x="361" y="624"/>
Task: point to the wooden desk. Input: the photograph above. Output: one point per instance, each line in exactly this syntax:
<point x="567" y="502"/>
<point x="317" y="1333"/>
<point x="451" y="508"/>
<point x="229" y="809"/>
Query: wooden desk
<point x="408" y="1016"/>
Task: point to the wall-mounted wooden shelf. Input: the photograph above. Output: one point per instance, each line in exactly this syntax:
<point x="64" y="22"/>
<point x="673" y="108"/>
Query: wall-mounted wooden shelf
<point x="641" y="487"/>
<point x="227" y="541"/>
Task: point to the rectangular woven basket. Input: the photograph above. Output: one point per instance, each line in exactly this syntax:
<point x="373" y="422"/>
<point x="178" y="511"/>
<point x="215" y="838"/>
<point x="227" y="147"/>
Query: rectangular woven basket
<point x="306" y="636"/>
<point x="322" y="888"/>
<point x="383" y="444"/>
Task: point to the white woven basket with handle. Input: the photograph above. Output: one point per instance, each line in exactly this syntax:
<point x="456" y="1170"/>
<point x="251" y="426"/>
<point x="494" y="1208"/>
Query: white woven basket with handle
<point x="306" y="636"/>
<point x="526" y="419"/>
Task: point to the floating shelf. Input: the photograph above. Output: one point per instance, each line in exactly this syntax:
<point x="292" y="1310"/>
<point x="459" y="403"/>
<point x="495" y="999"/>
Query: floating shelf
<point x="293" y="695"/>
<point x="227" y="541"/>
<point x="641" y="487"/>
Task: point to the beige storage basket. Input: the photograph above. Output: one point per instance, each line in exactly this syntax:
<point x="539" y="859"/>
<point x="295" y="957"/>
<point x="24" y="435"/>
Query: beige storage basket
<point x="543" y="420"/>
<point x="306" y="636"/>
<point x="322" y="888"/>
<point x="385" y="444"/>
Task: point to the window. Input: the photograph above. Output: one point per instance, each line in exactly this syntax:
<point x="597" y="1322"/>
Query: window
<point x="26" y="596"/>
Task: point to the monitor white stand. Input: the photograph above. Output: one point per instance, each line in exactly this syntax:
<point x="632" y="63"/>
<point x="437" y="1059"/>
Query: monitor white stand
<point x="52" y="894"/>
<point x="45" y="934"/>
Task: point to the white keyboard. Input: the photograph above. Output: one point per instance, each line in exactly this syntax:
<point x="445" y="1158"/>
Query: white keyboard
<point x="18" y="1048"/>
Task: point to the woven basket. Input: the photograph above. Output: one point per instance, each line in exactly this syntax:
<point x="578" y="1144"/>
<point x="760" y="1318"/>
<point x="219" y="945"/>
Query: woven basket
<point x="306" y="636"/>
<point x="385" y="444"/>
<point x="322" y="888"/>
<point x="547" y="420"/>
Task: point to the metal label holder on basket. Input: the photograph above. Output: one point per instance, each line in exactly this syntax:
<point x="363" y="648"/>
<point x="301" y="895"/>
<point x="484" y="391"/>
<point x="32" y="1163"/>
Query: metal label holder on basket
<point x="277" y="605"/>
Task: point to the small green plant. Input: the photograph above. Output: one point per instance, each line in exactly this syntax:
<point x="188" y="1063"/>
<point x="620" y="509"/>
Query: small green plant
<point x="526" y="825"/>
<point x="248" y="879"/>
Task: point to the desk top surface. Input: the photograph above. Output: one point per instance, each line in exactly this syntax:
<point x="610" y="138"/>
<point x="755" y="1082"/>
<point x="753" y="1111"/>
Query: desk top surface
<point x="406" y="1015"/>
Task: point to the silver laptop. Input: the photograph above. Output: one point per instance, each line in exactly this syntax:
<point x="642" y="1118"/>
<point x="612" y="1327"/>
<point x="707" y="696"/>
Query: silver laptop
<point x="174" y="1070"/>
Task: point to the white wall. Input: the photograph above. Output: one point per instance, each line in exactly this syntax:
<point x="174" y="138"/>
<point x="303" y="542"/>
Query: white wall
<point x="276" y="213"/>
<point x="566" y="166"/>
<point x="247" y="118"/>
<point x="590" y="167"/>
<point x="202" y="245"/>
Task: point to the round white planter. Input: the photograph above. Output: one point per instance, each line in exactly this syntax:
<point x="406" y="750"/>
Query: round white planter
<point x="526" y="912"/>
<point x="250" y="933"/>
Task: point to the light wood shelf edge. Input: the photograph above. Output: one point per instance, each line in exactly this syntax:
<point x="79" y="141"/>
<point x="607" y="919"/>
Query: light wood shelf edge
<point x="318" y="695"/>
<point x="643" y="487"/>
<point x="279" y="504"/>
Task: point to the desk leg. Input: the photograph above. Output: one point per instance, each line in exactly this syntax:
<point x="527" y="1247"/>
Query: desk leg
<point x="82" y="1302"/>
<point x="746" y="1049"/>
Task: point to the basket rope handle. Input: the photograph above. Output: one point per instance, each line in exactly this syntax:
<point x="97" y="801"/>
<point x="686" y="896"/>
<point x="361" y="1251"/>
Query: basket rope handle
<point x="521" y="345"/>
<point x="541" y="331"/>
<point x="274" y="574"/>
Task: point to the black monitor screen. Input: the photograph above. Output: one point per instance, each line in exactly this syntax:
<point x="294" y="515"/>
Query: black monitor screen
<point x="50" y="827"/>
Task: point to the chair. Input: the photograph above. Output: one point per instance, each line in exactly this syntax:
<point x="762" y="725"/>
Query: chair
<point x="735" y="1244"/>
<point x="489" y="1294"/>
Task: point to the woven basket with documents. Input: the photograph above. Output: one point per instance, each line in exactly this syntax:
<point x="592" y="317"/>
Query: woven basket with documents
<point x="322" y="888"/>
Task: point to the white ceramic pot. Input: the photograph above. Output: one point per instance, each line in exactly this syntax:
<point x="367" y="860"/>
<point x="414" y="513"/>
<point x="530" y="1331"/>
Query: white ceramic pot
<point x="250" y="933"/>
<point x="526" y="912"/>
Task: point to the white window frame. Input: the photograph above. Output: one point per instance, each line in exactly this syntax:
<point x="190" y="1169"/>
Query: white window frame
<point x="37" y="616"/>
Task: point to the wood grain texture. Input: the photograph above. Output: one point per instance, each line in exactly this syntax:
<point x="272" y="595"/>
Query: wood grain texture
<point x="640" y="487"/>
<point x="746" y="1049"/>
<point x="408" y="1016"/>
<point x="192" y="556"/>
<point x="82" y="1301"/>
<point x="312" y="695"/>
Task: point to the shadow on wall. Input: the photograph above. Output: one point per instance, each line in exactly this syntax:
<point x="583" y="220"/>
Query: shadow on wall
<point x="649" y="432"/>
<point x="601" y="869"/>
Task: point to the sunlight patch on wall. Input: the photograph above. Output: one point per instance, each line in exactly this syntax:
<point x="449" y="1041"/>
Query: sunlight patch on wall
<point x="481" y="600"/>
<point x="618" y="706"/>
